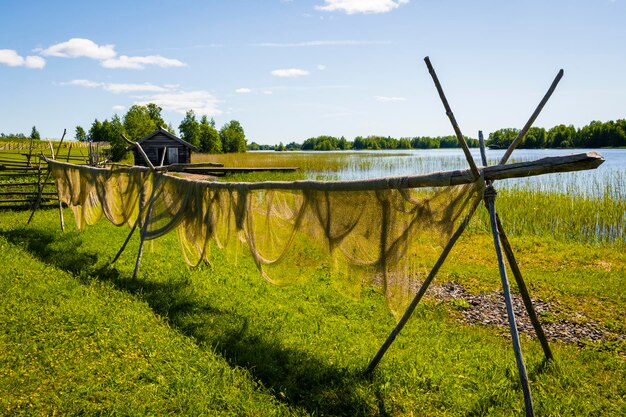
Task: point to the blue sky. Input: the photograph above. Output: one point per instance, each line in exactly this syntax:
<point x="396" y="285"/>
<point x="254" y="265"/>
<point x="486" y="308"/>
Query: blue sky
<point x="289" y="70"/>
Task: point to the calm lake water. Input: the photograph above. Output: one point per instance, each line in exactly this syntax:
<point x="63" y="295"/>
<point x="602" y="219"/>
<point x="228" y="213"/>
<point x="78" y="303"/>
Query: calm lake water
<point x="609" y="178"/>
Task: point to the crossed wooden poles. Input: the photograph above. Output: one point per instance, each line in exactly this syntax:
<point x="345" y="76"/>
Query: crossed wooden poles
<point x="500" y="242"/>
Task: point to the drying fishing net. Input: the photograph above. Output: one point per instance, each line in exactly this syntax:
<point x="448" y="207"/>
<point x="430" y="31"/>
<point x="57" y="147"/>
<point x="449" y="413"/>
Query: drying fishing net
<point x="358" y="233"/>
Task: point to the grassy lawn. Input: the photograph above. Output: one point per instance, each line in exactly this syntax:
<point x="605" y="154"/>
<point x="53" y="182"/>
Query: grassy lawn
<point x="81" y="337"/>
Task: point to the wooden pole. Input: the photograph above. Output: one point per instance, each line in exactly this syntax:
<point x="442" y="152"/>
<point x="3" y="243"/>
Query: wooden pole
<point x="163" y="157"/>
<point x="60" y="143"/>
<point x="521" y="285"/>
<point x="144" y="227"/>
<point x="40" y="187"/>
<point x="68" y="153"/>
<point x="132" y="230"/>
<point x="420" y="293"/>
<point x="30" y="151"/>
<point x="455" y="126"/>
<point x="490" y="195"/>
<point x="483" y="152"/>
<point x="567" y="163"/>
<point x="61" y="219"/>
<point x="141" y="151"/>
<point x="530" y="121"/>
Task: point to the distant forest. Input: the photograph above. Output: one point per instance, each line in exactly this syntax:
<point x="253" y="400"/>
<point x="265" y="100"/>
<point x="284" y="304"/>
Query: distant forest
<point x="141" y="120"/>
<point x="594" y="135"/>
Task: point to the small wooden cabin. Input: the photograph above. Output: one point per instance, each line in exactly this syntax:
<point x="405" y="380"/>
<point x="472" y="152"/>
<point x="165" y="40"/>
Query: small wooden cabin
<point x="163" y="148"/>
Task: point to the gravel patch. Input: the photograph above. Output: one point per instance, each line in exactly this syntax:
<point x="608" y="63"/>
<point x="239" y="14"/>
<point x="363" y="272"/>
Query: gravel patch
<point x="490" y="309"/>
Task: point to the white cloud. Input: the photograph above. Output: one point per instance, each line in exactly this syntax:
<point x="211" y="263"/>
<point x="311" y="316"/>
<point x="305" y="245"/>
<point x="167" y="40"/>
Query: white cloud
<point x="200" y="101"/>
<point x="83" y="83"/>
<point x="106" y="54"/>
<point x="268" y="92"/>
<point x="79" y="47"/>
<point x="389" y="99"/>
<point x="118" y="88"/>
<point x="289" y="73"/>
<point x="140" y="62"/>
<point x="361" y="6"/>
<point x="119" y="108"/>
<point x="170" y="98"/>
<point x="321" y="67"/>
<point x="13" y="59"/>
<point x="243" y="90"/>
<point x="346" y="42"/>
<point x="34" y="62"/>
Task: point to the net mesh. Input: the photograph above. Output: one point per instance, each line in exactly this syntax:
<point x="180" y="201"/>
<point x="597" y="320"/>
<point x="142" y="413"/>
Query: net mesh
<point x="365" y="235"/>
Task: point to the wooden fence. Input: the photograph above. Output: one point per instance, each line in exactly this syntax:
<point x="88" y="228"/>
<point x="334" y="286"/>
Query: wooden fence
<point x="23" y="176"/>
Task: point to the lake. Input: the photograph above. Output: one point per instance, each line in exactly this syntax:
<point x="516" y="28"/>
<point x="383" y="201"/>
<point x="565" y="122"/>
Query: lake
<point x="608" y="179"/>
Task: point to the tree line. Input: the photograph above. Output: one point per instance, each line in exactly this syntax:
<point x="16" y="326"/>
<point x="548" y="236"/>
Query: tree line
<point x="594" y="135"/>
<point x="331" y="143"/>
<point x="140" y="121"/>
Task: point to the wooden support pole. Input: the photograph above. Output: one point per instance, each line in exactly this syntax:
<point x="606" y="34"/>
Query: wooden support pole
<point x="163" y="157"/>
<point x="529" y="123"/>
<point x="132" y="230"/>
<point x="420" y="293"/>
<point x="60" y="143"/>
<point x="141" y="151"/>
<point x="490" y="194"/>
<point x="144" y="228"/>
<point x="483" y="152"/>
<point x="455" y="126"/>
<point x="58" y="195"/>
<point x="567" y="163"/>
<point x="30" y="151"/>
<point x="521" y="285"/>
<point x="69" y="152"/>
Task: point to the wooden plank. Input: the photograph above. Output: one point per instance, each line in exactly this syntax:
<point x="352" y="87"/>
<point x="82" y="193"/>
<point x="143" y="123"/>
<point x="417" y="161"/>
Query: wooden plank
<point x="26" y="200"/>
<point x="11" y="174"/>
<point x="33" y="193"/>
<point x="22" y="184"/>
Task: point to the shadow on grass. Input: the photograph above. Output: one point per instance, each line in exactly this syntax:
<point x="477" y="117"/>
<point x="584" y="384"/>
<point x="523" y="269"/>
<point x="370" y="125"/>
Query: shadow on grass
<point x="292" y="376"/>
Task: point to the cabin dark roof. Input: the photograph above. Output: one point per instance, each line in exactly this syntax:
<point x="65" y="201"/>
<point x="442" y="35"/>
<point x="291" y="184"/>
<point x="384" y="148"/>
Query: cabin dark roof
<point x="161" y="131"/>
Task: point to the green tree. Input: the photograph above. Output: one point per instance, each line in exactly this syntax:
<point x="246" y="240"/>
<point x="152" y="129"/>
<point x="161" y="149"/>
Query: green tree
<point x="80" y="134"/>
<point x="502" y="138"/>
<point x="189" y="128"/>
<point x="208" y="137"/>
<point x="110" y="131"/>
<point x="343" y="144"/>
<point x="139" y="121"/>
<point x="233" y="137"/>
<point x="562" y="136"/>
<point x="113" y="131"/>
<point x="535" y="138"/>
<point x="34" y="133"/>
<point x="95" y="132"/>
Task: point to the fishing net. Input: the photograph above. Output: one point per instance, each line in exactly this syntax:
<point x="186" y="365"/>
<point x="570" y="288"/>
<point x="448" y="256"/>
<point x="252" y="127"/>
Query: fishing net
<point x="381" y="232"/>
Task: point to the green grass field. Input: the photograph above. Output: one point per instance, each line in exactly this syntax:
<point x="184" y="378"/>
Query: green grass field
<point x="80" y="337"/>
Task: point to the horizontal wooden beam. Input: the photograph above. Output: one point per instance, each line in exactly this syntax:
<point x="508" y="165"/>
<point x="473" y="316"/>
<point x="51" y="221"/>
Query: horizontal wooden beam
<point x="568" y="163"/>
